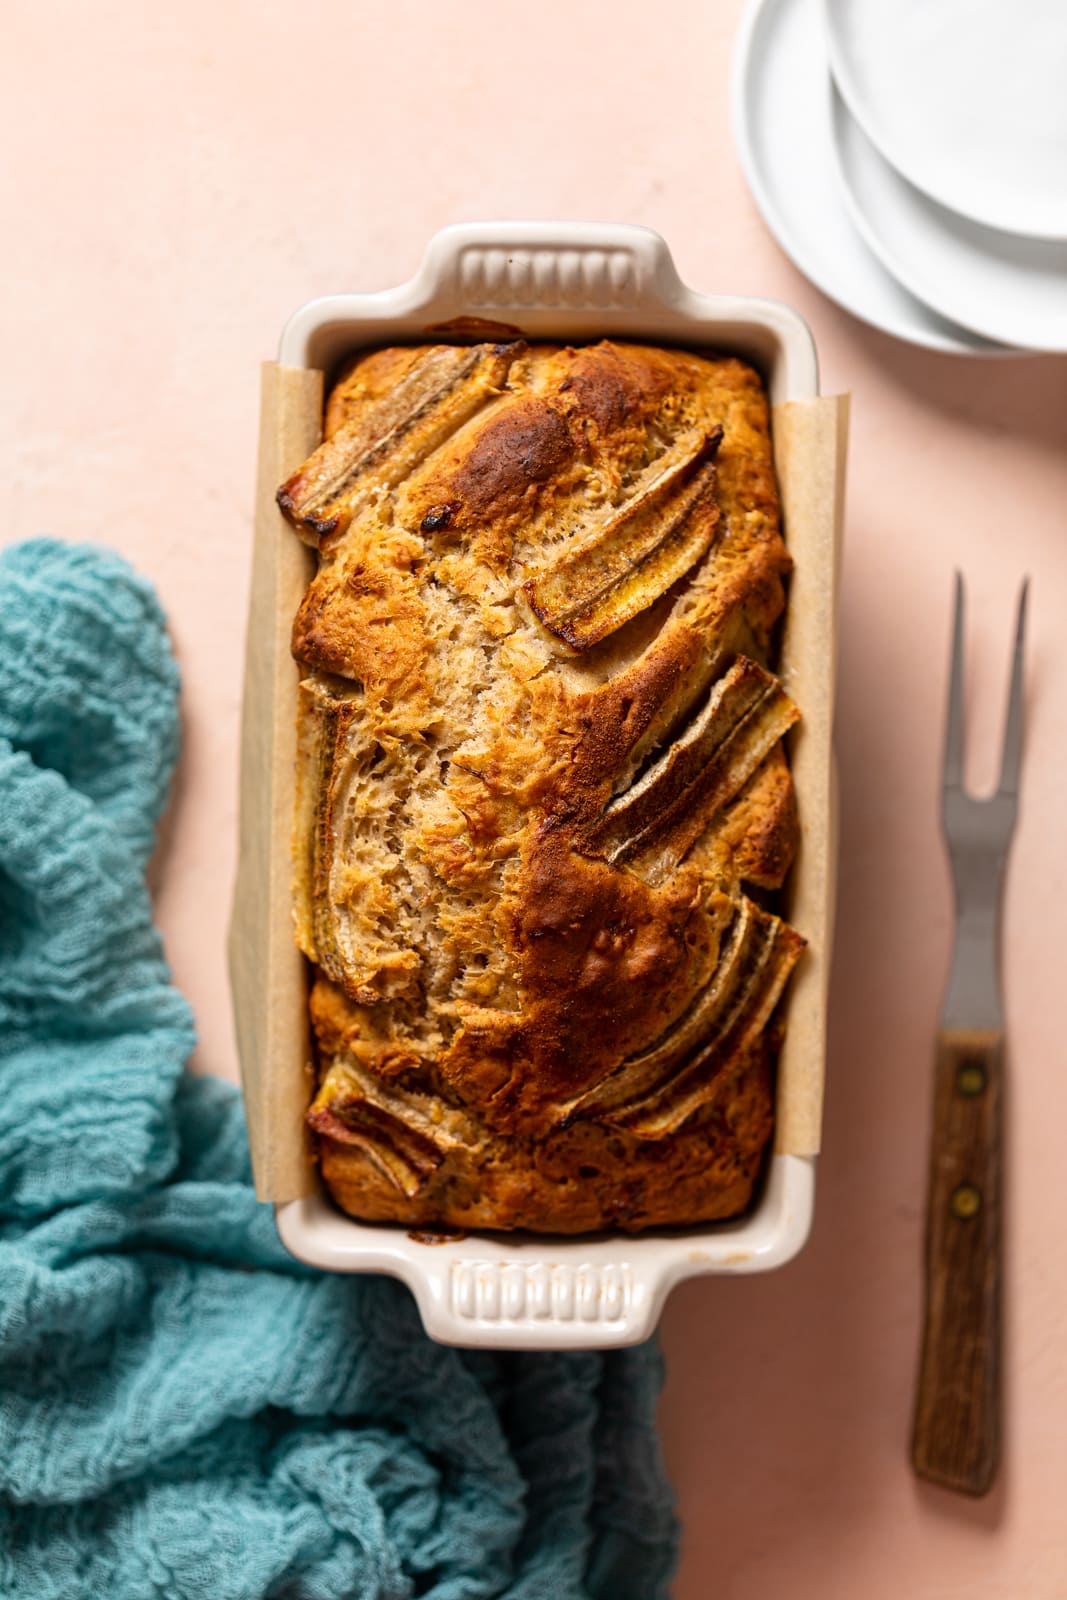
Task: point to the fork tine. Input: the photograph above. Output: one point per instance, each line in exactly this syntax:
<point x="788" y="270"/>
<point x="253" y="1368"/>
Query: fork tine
<point x="1013" y="726"/>
<point x="952" y="774"/>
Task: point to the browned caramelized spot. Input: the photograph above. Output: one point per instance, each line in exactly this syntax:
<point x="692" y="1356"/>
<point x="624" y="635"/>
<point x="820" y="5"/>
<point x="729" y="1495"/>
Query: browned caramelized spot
<point x="634" y="557"/>
<point x="439" y="517"/>
<point x="611" y="391"/>
<point x="382" y="445"/>
<point x="473" y="328"/>
<point x="745" y="715"/>
<point x="524" y="447"/>
<point x="653" y="1093"/>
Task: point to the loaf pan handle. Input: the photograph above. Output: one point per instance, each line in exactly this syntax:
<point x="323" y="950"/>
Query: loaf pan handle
<point x="532" y="1303"/>
<point x="509" y="1293"/>
<point x="524" y="1292"/>
<point x="494" y="268"/>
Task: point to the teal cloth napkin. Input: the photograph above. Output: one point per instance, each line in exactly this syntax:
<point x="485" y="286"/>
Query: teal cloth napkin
<point x="185" y="1411"/>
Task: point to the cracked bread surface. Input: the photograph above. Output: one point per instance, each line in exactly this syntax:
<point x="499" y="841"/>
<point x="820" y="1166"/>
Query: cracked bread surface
<point x="543" y="801"/>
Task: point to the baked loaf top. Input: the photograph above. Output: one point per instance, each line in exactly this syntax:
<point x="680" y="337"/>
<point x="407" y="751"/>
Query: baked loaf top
<point x="543" y="799"/>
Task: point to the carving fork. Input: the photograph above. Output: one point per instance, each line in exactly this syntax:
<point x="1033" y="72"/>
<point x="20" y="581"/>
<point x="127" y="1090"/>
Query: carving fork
<point x="956" y="1436"/>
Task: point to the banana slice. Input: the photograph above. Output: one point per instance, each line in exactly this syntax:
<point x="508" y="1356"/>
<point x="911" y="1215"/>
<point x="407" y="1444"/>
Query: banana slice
<point x="635" y="556"/>
<point x="652" y="1094"/>
<point x="406" y="1134"/>
<point x="325" y="720"/>
<point x="406" y="1159"/>
<point x="348" y="918"/>
<point x="745" y="715"/>
<point x="440" y="393"/>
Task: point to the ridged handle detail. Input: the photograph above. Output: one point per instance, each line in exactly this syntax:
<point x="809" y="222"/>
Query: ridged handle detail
<point x="508" y="1292"/>
<point x="498" y="277"/>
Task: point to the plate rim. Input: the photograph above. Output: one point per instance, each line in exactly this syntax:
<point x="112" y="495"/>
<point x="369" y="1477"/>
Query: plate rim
<point x="894" y="263"/>
<point x="845" y="80"/>
<point x="744" y="145"/>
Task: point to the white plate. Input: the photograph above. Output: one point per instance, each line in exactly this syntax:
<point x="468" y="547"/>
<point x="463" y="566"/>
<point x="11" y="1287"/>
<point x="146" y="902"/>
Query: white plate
<point x="782" y="131"/>
<point x="967" y="98"/>
<point x="1003" y="286"/>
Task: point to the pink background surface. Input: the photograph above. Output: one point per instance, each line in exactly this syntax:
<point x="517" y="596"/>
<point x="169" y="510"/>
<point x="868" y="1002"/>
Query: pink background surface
<point x="182" y="178"/>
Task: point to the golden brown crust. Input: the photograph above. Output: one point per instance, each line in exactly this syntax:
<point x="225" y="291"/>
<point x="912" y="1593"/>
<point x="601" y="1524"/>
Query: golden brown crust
<point x="579" y="1179"/>
<point x="546" y="752"/>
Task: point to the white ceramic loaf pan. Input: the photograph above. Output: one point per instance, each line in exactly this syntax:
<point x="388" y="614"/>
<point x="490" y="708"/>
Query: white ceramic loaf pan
<point x="581" y="282"/>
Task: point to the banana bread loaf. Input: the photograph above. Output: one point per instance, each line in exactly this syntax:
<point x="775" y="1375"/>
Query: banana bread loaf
<point x="543" y="801"/>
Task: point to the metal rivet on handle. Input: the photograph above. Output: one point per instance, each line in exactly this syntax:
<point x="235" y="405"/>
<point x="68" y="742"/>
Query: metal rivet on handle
<point x="966" y="1202"/>
<point x="970" y="1078"/>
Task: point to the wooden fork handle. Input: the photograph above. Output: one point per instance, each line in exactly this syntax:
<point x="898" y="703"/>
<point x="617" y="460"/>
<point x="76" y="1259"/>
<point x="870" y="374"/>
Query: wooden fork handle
<point x="956" y="1436"/>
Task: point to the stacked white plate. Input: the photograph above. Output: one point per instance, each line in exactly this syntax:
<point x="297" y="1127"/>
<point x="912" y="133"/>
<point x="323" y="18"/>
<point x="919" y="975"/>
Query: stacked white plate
<point x="911" y="157"/>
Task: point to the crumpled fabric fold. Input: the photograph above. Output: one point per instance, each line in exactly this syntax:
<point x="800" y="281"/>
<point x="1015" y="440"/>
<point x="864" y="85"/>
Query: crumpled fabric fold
<point x="184" y="1410"/>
